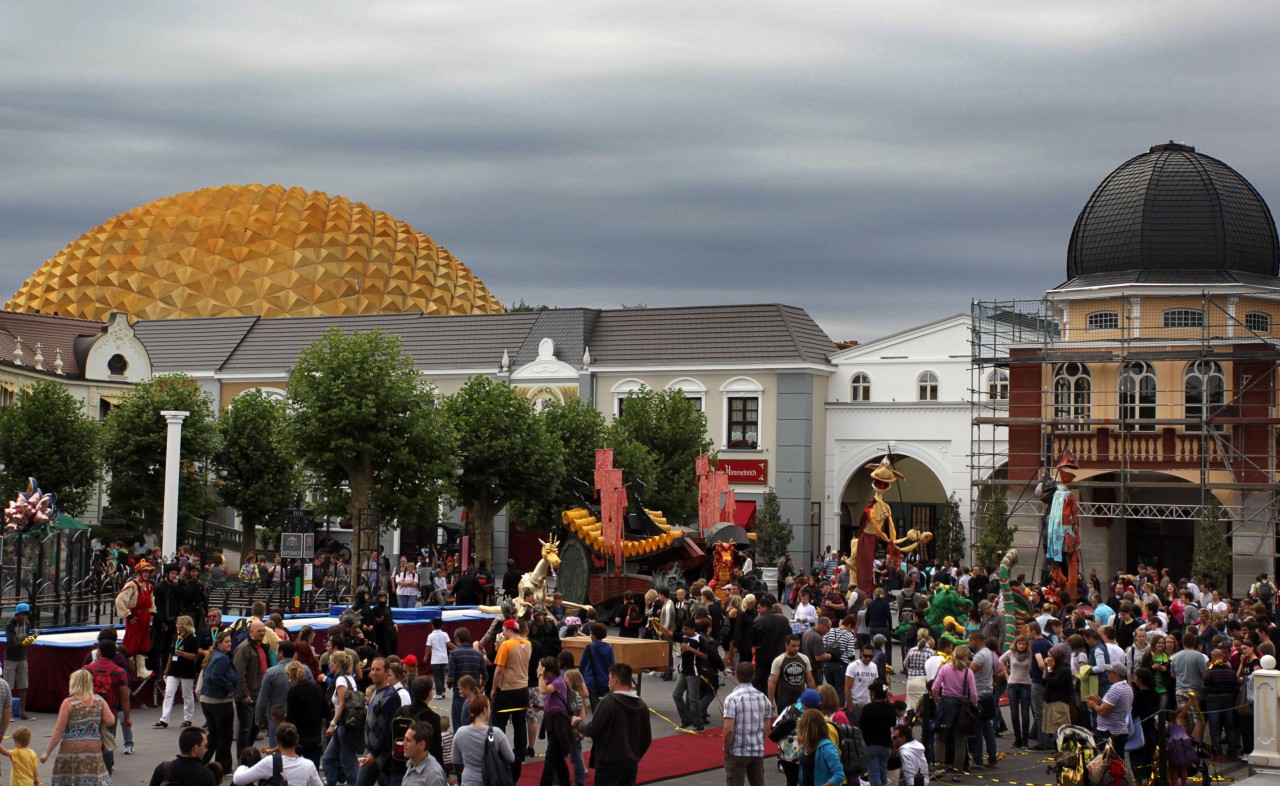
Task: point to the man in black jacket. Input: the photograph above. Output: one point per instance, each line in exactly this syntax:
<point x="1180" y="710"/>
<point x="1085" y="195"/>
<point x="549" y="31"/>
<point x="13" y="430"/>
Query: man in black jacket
<point x="376" y="762"/>
<point x="620" y="731"/>
<point x="769" y="639"/>
<point x="189" y="768"/>
<point x="169" y="601"/>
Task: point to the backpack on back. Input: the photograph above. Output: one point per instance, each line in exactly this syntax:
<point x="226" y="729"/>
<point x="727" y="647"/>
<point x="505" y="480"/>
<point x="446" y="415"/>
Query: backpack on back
<point x="277" y="771"/>
<point x="353" y="709"/>
<point x="400" y="724"/>
<point x="853" y="749"/>
<point x="1266" y="591"/>
<point x="634" y="618"/>
<point x="239" y="632"/>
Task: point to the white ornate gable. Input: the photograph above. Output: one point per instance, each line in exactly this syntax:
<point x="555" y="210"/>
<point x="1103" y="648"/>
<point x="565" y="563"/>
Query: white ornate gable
<point x="118" y="355"/>
<point x="546" y="367"/>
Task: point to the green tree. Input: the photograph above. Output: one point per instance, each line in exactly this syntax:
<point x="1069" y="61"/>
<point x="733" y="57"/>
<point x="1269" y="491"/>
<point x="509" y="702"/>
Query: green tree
<point x="134" y="439"/>
<point x="580" y="430"/>
<point x="675" y="432"/>
<point x="506" y="454"/>
<point x="369" y="431"/>
<point x="260" y="479"/>
<point x="1212" y="555"/>
<point x="997" y="532"/>
<point x="773" y="533"/>
<point x="46" y="434"/>
<point x="948" y="533"/>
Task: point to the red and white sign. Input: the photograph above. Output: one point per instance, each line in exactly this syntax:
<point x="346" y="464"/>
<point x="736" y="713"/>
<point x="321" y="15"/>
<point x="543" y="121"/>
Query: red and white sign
<point x="754" y="471"/>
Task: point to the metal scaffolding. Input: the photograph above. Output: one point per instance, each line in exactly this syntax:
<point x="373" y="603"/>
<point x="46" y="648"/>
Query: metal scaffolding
<point x="1049" y="374"/>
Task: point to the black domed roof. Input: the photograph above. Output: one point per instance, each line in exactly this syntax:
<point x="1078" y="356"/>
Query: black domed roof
<point x="1173" y="209"/>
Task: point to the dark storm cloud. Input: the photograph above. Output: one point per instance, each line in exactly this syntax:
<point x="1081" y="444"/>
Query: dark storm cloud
<point x="876" y="164"/>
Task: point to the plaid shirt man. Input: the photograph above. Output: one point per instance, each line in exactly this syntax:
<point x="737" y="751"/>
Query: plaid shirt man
<point x="750" y="710"/>
<point x="916" y="658"/>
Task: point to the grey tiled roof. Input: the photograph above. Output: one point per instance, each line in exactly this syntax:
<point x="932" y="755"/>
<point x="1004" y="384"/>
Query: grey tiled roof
<point x="191" y="345"/>
<point x="709" y="335"/>
<point x="52" y="333"/>
<point x="1174" y="209"/>
<point x="653" y="337"/>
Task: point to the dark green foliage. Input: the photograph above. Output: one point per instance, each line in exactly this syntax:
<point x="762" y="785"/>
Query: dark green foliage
<point x="506" y="454"/>
<point x="675" y="433"/>
<point x="997" y="532"/>
<point x="134" y="445"/>
<point x="260" y="479"/>
<point x="1212" y="556"/>
<point x="948" y="533"/>
<point x="46" y="434"/>
<point x="773" y="533"/>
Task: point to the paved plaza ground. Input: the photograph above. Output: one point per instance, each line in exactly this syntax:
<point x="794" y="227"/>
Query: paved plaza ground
<point x="152" y="746"/>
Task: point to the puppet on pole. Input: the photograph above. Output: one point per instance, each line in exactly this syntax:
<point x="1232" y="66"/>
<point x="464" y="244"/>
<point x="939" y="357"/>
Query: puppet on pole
<point x="877" y="525"/>
<point x="1062" y="525"/>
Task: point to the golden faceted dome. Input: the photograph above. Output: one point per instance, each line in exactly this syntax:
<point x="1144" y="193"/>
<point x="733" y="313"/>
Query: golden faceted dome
<point x="252" y="250"/>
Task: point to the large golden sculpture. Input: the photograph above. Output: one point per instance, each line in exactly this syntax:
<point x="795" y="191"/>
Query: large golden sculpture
<point x="252" y="251"/>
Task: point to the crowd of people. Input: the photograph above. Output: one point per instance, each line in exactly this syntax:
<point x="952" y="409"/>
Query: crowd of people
<point x="1141" y="661"/>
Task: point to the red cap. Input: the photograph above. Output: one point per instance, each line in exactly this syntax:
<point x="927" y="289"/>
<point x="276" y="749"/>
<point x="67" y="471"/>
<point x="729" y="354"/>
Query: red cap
<point x="409" y="660"/>
<point x="511" y="625"/>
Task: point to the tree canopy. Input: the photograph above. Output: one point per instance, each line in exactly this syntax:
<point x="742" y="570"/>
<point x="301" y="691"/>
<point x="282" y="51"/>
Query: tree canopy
<point x="368" y="430"/>
<point x="506" y="453"/>
<point x="46" y="434"/>
<point x="580" y="430"/>
<point x="675" y="433"/>
<point x="260" y="478"/>
<point x="997" y="532"/>
<point x="134" y="438"/>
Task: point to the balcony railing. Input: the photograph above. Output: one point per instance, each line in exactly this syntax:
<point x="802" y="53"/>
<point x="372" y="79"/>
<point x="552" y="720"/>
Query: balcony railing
<point x="1165" y="447"/>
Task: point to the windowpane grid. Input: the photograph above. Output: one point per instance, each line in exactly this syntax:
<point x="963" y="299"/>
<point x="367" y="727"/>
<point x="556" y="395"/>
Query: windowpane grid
<point x="927" y="387"/>
<point x="744" y="422"/>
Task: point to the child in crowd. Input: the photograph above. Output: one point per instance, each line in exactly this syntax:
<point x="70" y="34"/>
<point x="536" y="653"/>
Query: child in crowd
<point x="446" y="741"/>
<point x="1182" y="751"/>
<point x="26" y="765"/>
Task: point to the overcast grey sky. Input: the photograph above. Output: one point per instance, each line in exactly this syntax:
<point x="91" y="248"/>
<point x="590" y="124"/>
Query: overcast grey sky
<point x="878" y="164"/>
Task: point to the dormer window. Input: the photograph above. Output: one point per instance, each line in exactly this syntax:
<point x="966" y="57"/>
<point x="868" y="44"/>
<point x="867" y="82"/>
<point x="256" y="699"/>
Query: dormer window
<point x="1104" y="320"/>
<point x="860" y="387"/>
<point x="117" y="365"/>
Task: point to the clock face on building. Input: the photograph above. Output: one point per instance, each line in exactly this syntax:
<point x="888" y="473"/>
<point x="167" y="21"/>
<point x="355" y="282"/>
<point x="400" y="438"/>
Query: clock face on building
<point x="539" y="397"/>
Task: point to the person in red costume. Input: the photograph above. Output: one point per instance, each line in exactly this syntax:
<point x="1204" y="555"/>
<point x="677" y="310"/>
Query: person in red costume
<point x="1062" y="526"/>
<point x="136" y="603"/>
<point x="877" y="524"/>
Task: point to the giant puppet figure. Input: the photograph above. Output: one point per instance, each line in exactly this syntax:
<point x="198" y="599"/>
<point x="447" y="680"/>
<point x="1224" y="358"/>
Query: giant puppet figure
<point x="877" y="524"/>
<point x="136" y="603"/>
<point x="1062" y="526"/>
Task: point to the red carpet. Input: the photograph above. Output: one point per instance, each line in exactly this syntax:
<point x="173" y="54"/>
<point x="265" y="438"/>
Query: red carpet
<point x="668" y="757"/>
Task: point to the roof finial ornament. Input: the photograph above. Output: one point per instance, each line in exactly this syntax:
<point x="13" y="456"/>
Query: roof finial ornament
<point x="17" y="352"/>
<point x="586" y="357"/>
<point x="57" y="361"/>
<point x="506" y="361"/>
<point x="39" y="358"/>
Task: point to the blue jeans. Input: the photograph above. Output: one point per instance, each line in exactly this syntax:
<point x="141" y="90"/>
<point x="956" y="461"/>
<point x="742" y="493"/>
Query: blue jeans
<point x="579" y="767"/>
<point x="948" y="712"/>
<point x="877" y="764"/>
<point x="340" y="759"/>
<point x="1020" y="712"/>
<point x="986" y="731"/>
<point x="271" y="733"/>
<point x="458" y="709"/>
<point x="1222" y="716"/>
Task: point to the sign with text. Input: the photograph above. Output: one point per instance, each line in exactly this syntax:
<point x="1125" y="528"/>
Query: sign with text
<point x="754" y="471"/>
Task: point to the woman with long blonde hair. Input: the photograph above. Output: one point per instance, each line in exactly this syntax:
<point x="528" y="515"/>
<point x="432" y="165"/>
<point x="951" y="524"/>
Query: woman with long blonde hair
<point x="78" y="735"/>
<point x="819" y="758"/>
<point x="180" y="673"/>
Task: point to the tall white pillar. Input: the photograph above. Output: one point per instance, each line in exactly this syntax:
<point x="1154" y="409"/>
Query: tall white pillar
<point x="1266" y="719"/>
<point x="172" y="459"/>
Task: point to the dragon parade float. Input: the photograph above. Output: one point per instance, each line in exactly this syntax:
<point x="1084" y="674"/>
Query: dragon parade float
<point x="617" y="545"/>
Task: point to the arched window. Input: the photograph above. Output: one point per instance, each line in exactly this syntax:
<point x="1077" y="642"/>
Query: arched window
<point x="1104" y="320"/>
<point x="927" y="387"/>
<point x="860" y="387"/>
<point x="998" y="385"/>
<point x="1204" y="389"/>
<point x="1183" y="318"/>
<point x="1258" y="321"/>
<point x="1137" y="395"/>
<point x="694" y="391"/>
<point x="620" y="392"/>
<point x="1072" y="393"/>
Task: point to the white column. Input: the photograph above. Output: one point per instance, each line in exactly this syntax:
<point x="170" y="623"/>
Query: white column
<point x="1266" y="716"/>
<point x="172" y="458"/>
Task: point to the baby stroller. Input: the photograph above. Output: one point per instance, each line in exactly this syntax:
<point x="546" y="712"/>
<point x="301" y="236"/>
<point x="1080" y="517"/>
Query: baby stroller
<point x="1081" y="761"/>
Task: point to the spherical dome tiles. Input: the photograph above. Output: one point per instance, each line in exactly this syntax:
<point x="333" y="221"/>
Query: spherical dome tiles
<point x="252" y="250"/>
